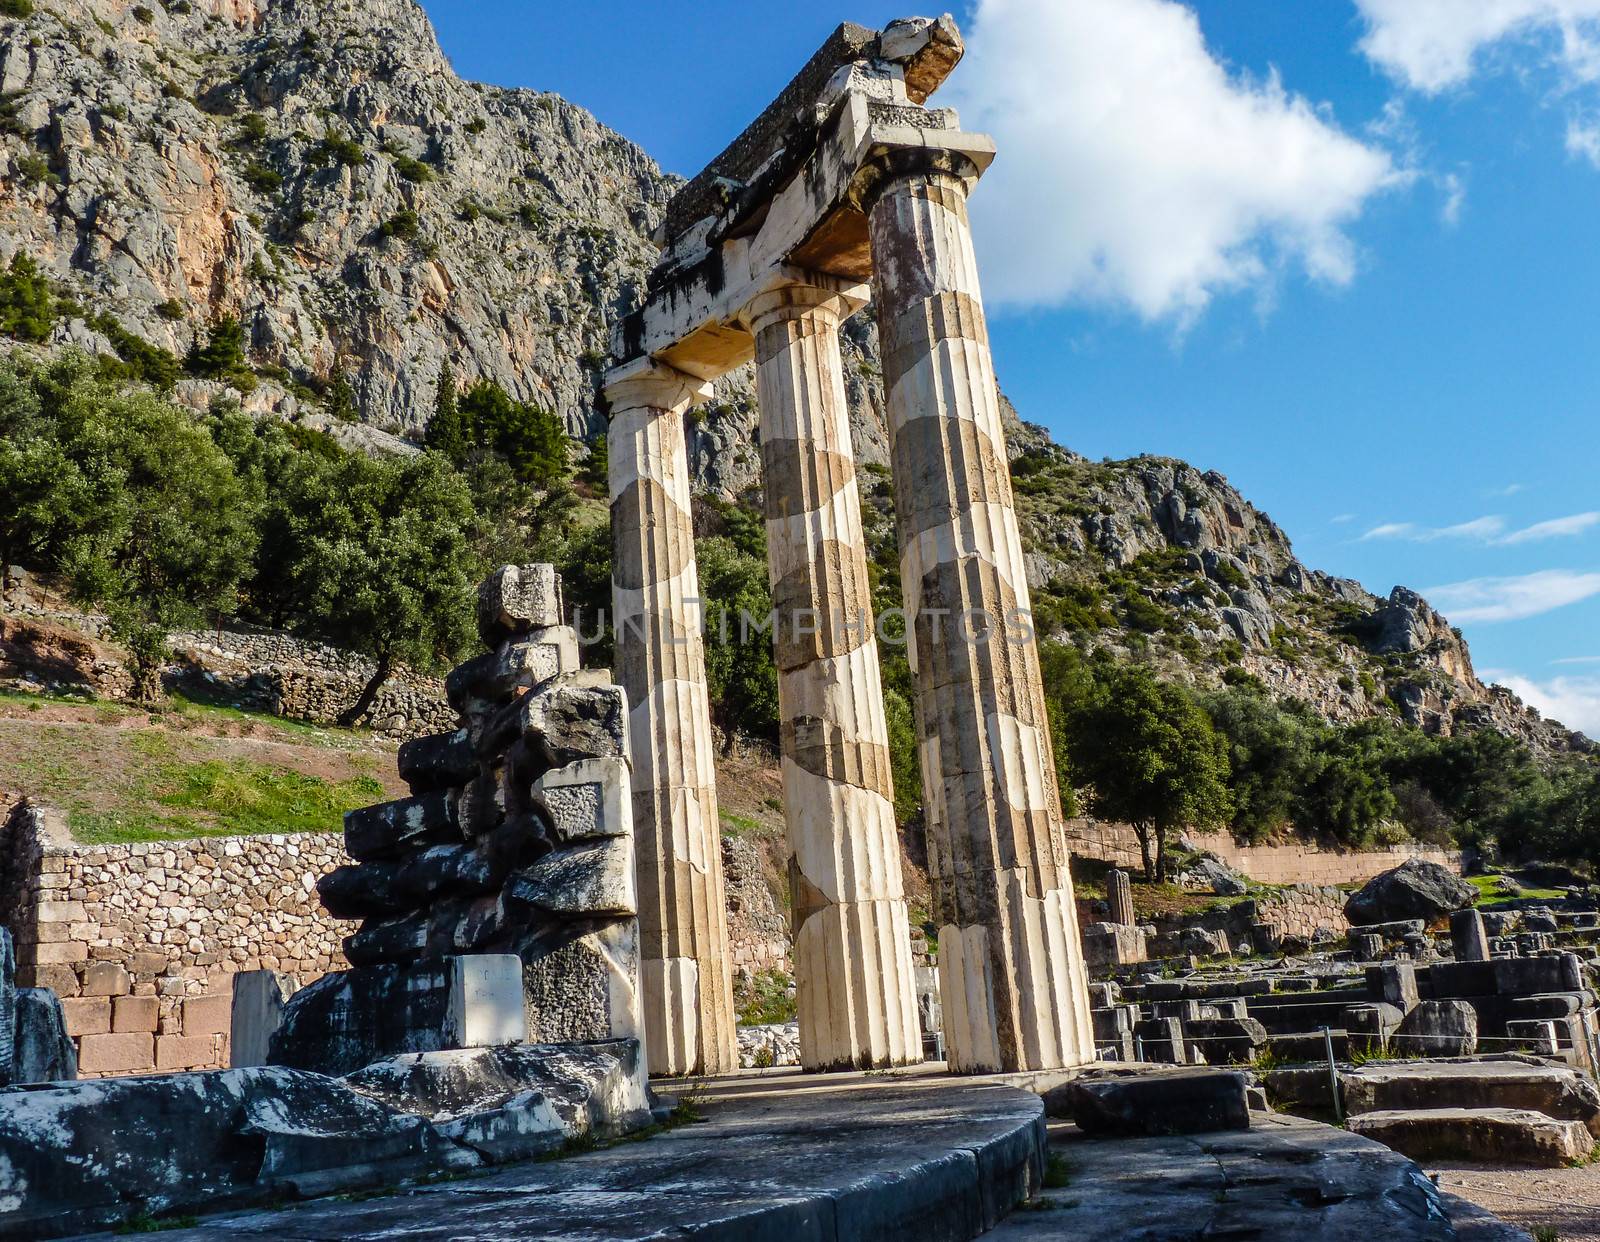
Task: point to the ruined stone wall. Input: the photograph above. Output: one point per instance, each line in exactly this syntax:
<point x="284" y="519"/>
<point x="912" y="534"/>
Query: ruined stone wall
<point x="142" y="941"/>
<point x="1297" y="862"/>
<point x="300" y="680"/>
<point x="758" y="931"/>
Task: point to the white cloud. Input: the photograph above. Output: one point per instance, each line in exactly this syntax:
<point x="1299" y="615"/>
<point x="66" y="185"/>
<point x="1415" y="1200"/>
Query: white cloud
<point x="1433" y="45"/>
<point x="1510" y="489"/>
<point x="1490" y="529"/>
<point x="1555" y="528"/>
<point x="1134" y="170"/>
<point x="1583" y="140"/>
<point x="1484" y="528"/>
<point x="1574" y="701"/>
<point x="1513" y="599"/>
<point x="1594" y="659"/>
<point x="1339" y="519"/>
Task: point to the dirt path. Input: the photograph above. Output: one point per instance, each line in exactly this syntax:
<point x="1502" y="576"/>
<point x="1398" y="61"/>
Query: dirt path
<point x="1565" y="1200"/>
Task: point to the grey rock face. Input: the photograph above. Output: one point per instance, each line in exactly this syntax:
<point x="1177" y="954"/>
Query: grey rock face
<point x="1416" y="889"/>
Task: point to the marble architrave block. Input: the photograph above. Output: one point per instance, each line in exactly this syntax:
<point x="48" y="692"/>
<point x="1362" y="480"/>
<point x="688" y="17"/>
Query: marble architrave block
<point x="684" y="964"/>
<point x="857" y="1007"/>
<point x="1010" y="960"/>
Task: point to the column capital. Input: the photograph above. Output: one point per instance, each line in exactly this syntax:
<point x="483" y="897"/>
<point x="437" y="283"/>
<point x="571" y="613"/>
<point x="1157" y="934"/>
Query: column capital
<point x="798" y="293"/>
<point x="644" y="382"/>
<point x="890" y="165"/>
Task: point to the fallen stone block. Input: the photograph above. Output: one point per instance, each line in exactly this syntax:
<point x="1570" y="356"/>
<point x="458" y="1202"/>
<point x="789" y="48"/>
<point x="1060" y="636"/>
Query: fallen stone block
<point x="1439" y="1028"/>
<point x="1468" y="937"/>
<point x="595" y="879"/>
<point x="1508" y="976"/>
<point x="1416" y="889"/>
<point x="438" y="761"/>
<point x="1107" y="945"/>
<point x="43" y="1051"/>
<point x="1369" y="1028"/>
<point x="588" y="798"/>
<point x="1497" y="1135"/>
<point x="388" y="829"/>
<point x="1153" y="1102"/>
<point x="1226" y="1041"/>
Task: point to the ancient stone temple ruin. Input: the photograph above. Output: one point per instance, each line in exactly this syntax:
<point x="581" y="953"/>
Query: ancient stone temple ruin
<point x="847" y="189"/>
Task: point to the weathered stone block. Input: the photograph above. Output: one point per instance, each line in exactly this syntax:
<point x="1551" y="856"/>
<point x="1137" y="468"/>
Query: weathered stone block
<point x="583" y="985"/>
<point x="591" y="880"/>
<point x="43" y="1050"/>
<point x="1468" y="937"/>
<point x="207" y="1015"/>
<point x="1154" y="1102"/>
<point x="134" y="1013"/>
<point x="87" y="1015"/>
<point x="1441" y="1028"/>
<point x="516" y="599"/>
<point x="8" y="1006"/>
<point x="258" y="1000"/>
<point x="114" y="1054"/>
<point x="588" y="798"/>
<point x="438" y="761"/>
<point x="182" y="1052"/>
<point x="486" y="1004"/>
<point x="389" y="828"/>
<point x="1497" y="1135"/>
<point x="1393" y="983"/>
<point x="1112" y="944"/>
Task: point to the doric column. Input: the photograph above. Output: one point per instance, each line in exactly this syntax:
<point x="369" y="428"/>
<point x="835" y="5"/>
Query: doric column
<point x="1011" y="973"/>
<point x="851" y="940"/>
<point x="683" y="925"/>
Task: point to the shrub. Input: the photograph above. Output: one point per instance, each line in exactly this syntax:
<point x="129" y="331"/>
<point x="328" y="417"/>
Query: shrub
<point x="252" y="129"/>
<point x="27" y="304"/>
<point x="403" y="225"/>
<point x="171" y="309"/>
<point x="34" y="169"/>
<point x="143" y="14"/>
<point x="412" y="169"/>
<point x="263" y="179"/>
<point x="338" y="149"/>
<point x="16" y="8"/>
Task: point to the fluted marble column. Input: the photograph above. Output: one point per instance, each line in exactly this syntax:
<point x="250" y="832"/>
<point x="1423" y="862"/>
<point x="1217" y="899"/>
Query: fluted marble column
<point x="1011" y="973"/>
<point x="851" y="938"/>
<point x="683" y="928"/>
<point x="1119" y="896"/>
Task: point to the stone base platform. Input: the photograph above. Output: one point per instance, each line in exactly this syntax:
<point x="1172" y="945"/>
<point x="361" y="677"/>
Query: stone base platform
<point x="782" y="1156"/>
<point x="1284" y="1178"/>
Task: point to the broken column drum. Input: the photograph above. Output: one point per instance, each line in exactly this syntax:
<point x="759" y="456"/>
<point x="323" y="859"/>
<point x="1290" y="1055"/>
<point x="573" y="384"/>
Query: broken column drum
<point x="688" y="994"/>
<point x="846" y="189"/>
<point x="1119" y="896"/>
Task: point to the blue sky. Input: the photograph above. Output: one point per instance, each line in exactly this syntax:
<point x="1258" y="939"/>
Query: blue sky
<point x="1345" y="252"/>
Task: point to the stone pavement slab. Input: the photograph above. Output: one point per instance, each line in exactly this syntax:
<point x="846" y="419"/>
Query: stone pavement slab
<point x="792" y="1158"/>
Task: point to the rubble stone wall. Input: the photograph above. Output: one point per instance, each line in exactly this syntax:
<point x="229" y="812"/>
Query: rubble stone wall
<point x="308" y="681"/>
<point x="1298" y="862"/>
<point x="142" y="941"/>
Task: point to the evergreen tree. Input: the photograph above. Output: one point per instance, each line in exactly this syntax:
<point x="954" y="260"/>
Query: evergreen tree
<point x="447" y="431"/>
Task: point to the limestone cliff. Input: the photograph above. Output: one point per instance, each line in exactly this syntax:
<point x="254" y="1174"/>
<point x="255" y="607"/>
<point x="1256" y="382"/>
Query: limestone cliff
<point x="316" y="169"/>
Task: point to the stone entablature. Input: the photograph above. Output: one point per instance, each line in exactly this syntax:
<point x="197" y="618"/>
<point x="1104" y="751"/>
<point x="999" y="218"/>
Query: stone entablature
<point x="142" y="941"/>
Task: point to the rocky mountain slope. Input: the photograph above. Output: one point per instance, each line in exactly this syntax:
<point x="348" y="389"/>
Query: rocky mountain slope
<point x="315" y="169"/>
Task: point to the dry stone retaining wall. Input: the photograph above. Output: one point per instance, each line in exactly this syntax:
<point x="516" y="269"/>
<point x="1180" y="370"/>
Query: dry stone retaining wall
<point x="142" y="941"/>
<point x="1298" y="862"/>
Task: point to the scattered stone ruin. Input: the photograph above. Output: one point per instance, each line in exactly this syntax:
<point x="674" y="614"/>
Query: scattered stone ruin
<point x="847" y="189"/>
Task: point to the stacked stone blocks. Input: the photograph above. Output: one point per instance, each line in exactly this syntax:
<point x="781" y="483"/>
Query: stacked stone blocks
<point x="517" y="839"/>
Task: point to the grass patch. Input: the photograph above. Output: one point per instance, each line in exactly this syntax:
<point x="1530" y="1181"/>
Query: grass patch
<point x="740" y="825"/>
<point x="222" y="797"/>
<point x="1505" y="888"/>
<point x="1057" y="1171"/>
<point x="765" y="1000"/>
